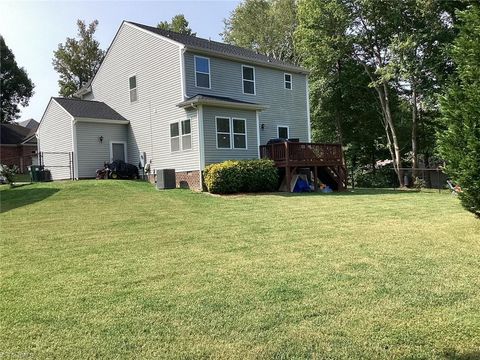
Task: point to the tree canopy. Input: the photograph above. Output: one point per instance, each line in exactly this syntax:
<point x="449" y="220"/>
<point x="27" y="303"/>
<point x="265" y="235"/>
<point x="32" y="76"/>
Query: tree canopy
<point x="459" y="143"/>
<point x="178" y="24"/>
<point x="15" y="85"/>
<point x="78" y="59"/>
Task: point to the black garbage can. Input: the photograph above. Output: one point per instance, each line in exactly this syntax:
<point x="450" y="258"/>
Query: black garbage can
<point x="36" y="173"/>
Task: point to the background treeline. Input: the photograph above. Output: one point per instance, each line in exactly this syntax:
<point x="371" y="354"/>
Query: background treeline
<point x="385" y="76"/>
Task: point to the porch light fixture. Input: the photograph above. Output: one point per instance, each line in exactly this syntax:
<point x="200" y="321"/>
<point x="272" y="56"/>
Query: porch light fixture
<point x="101" y="139"/>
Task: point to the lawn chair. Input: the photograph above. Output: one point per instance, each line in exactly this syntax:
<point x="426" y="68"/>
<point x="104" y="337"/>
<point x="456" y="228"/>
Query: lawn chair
<point x="455" y="188"/>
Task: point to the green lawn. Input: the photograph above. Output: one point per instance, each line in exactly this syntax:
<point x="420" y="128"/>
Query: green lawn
<point x="104" y="269"/>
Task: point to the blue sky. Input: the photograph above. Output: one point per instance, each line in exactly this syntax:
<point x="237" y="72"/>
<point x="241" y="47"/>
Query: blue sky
<point x="33" y="30"/>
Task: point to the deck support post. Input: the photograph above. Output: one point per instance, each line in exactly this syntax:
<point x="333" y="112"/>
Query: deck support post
<point x="315" y="177"/>
<point x="288" y="179"/>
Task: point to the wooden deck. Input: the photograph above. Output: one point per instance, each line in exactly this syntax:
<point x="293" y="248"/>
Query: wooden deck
<point x="326" y="158"/>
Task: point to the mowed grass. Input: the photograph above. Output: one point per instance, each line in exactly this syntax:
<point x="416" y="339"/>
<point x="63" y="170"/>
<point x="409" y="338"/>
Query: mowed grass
<point x="105" y="269"/>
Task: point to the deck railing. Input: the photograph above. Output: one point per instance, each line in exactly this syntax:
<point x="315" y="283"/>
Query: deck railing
<point x="303" y="154"/>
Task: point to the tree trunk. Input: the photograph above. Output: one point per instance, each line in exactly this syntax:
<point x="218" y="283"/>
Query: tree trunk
<point x="338" y="115"/>
<point x="392" y="140"/>
<point x="396" y="148"/>
<point x="414" y="130"/>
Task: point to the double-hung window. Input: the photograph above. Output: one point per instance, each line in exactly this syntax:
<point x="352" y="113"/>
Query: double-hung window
<point x="186" y="135"/>
<point x="248" y="79"/>
<point x="202" y="72"/>
<point x="180" y="135"/>
<point x="231" y="133"/>
<point x="287" y="81"/>
<point x="174" y="137"/>
<point x="132" y="82"/>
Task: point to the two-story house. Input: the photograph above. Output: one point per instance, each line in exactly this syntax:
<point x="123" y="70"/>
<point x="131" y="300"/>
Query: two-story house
<point x="184" y="101"/>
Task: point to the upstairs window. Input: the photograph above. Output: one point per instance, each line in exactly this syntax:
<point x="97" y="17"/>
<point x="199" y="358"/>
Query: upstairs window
<point x="248" y="79"/>
<point x="186" y="135"/>
<point x="202" y="72"/>
<point x="288" y="81"/>
<point x="133" y="88"/>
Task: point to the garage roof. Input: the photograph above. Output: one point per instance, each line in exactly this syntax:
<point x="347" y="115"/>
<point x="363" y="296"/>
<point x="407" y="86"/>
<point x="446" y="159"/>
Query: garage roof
<point x="88" y="109"/>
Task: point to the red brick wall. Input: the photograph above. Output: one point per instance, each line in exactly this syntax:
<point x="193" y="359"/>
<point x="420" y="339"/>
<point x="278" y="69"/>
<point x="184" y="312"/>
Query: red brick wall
<point x="17" y="155"/>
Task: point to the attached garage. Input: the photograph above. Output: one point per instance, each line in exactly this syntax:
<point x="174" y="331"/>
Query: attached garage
<point x="76" y="137"/>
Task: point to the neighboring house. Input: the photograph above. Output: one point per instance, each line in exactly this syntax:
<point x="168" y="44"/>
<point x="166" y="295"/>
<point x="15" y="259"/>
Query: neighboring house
<point x="29" y="123"/>
<point x="184" y="101"/>
<point x="18" y="146"/>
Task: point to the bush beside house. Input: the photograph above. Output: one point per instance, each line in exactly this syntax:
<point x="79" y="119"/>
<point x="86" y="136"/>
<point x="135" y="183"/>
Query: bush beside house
<point x="235" y="176"/>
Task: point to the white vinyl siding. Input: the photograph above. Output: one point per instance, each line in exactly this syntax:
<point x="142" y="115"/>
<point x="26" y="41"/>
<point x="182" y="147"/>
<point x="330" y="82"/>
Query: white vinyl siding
<point x="156" y="63"/>
<point x="56" y="141"/>
<point x="248" y="79"/>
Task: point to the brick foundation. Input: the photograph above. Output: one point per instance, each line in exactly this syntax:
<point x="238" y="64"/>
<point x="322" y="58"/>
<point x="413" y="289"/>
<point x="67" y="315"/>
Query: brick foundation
<point x="184" y="179"/>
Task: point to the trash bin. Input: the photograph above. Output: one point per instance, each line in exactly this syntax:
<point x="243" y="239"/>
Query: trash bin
<point x="36" y="173"/>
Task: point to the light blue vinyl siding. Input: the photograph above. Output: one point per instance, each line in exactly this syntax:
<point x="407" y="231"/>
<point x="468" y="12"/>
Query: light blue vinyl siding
<point x="286" y="107"/>
<point x="92" y="153"/>
<point x="214" y="155"/>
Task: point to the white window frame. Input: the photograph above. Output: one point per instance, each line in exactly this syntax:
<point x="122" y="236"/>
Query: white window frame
<point x="180" y="135"/>
<point x="174" y="137"/>
<point x="217" y="132"/>
<point x="283" y="126"/>
<point x="231" y="133"/>
<point x="254" y="80"/>
<point x="234" y="133"/>
<point x="135" y="88"/>
<point x="289" y="82"/>
<point x="124" y="143"/>
<point x="201" y="72"/>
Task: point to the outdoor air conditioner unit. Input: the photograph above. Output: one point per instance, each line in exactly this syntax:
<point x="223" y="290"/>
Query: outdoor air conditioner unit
<point x="166" y="179"/>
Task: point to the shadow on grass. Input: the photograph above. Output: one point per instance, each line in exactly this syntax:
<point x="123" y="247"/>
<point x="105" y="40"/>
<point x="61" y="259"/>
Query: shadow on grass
<point x="356" y="192"/>
<point x="21" y="195"/>
<point x="453" y="355"/>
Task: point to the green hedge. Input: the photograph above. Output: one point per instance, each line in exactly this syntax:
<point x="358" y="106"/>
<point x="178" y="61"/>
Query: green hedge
<point x="235" y="176"/>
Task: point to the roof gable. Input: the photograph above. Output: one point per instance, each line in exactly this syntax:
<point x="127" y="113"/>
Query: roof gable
<point x="88" y="109"/>
<point x="12" y="134"/>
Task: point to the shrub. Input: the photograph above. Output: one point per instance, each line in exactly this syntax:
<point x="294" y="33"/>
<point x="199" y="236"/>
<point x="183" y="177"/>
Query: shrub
<point x="9" y="173"/>
<point x="380" y="178"/>
<point x="235" y="176"/>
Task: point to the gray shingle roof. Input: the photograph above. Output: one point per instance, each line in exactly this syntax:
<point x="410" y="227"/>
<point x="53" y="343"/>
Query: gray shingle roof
<point x="30" y="123"/>
<point x="88" y="109"/>
<point x="12" y="134"/>
<point x="194" y="42"/>
<point x="220" y="100"/>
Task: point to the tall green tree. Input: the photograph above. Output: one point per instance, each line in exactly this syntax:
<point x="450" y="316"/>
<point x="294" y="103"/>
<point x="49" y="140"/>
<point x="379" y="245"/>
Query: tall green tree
<point x="459" y="144"/>
<point x="178" y="24"/>
<point x="265" y="26"/>
<point x="78" y="59"/>
<point x="16" y="88"/>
